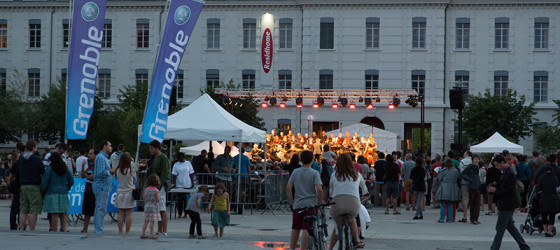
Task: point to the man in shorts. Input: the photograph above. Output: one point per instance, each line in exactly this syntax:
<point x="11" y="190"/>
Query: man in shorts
<point x="160" y="167"/>
<point x="31" y="169"/>
<point x="308" y="193"/>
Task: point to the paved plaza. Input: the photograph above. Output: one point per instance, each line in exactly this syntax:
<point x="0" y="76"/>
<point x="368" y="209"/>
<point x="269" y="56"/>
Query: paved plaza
<point x="266" y="231"/>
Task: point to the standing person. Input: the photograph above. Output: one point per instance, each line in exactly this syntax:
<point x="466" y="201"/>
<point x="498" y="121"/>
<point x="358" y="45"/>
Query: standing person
<point x="151" y="198"/>
<point x="81" y="162"/>
<point x="465" y="162"/>
<point x="328" y="155"/>
<point x="199" y="163"/>
<point x="472" y="176"/>
<point x="379" y="192"/>
<point x="31" y="200"/>
<point x="102" y="184"/>
<point x="392" y="171"/>
<point x="126" y="176"/>
<point x="317" y="150"/>
<point x="524" y="174"/>
<point x="88" y="204"/>
<point x="434" y="170"/>
<point x="224" y="166"/>
<point x="60" y="148"/>
<point x="493" y="175"/>
<point x="55" y="184"/>
<point x="193" y="210"/>
<point x="418" y="187"/>
<point x="308" y="193"/>
<point x="182" y="178"/>
<point x="506" y="201"/>
<point x="160" y="167"/>
<point x="294" y="163"/>
<point x="407" y="167"/>
<point x="14" y="177"/>
<point x="245" y="168"/>
<point x="222" y="208"/>
<point x="536" y="163"/>
<point x="448" y="192"/>
<point x="116" y="156"/>
<point x="345" y="185"/>
<point x="549" y="201"/>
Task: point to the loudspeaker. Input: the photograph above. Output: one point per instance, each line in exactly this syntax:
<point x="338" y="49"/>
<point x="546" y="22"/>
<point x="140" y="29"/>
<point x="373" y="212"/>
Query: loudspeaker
<point x="456" y="99"/>
<point x="457" y="147"/>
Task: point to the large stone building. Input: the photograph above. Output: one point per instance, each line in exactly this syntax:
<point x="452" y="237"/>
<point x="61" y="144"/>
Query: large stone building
<point x="428" y="46"/>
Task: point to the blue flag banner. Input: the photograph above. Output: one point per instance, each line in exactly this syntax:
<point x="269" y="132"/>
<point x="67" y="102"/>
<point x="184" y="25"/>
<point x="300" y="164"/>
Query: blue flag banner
<point x="85" y="51"/>
<point x="76" y="196"/>
<point x="181" y="18"/>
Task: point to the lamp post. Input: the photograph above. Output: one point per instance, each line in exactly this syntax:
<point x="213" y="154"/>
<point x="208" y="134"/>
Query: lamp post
<point x="422" y="112"/>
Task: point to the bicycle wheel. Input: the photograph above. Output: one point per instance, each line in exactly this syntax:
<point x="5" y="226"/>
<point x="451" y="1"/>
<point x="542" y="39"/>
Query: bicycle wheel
<point x="342" y="237"/>
<point x="313" y="240"/>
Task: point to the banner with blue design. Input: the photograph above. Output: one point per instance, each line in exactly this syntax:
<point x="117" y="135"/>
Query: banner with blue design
<point x="76" y="196"/>
<point x="181" y="18"/>
<point x="83" y="60"/>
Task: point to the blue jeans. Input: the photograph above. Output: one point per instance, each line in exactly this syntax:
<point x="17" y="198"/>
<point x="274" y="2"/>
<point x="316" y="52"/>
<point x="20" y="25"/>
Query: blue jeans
<point x="446" y="207"/>
<point x="101" y="198"/>
<point x="505" y="221"/>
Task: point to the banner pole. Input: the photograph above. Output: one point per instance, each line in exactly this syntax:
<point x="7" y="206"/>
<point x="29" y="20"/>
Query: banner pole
<point x="141" y="127"/>
<point x="70" y="13"/>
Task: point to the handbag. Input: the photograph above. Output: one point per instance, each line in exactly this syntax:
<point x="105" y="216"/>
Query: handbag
<point x="519" y="187"/>
<point x="136" y="194"/>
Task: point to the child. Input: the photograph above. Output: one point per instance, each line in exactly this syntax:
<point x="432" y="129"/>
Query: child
<point x="220" y="198"/>
<point x="193" y="211"/>
<point x="151" y="211"/>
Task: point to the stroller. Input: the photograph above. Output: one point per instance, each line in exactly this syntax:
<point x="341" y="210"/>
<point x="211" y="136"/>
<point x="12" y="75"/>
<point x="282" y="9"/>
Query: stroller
<point x="534" y="219"/>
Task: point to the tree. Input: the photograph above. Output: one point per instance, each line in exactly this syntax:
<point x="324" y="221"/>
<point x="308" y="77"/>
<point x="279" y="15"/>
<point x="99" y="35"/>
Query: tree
<point x="131" y="112"/>
<point x="547" y="138"/>
<point x="507" y="115"/>
<point x="241" y="109"/>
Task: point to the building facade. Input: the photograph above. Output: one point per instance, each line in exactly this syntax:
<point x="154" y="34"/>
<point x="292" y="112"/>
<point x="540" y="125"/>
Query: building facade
<point x="428" y="46"/>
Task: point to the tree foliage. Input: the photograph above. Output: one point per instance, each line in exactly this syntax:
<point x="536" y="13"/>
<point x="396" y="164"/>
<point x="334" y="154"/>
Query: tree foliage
<point x="507" y="115"/>
<point x="547" y="139"/>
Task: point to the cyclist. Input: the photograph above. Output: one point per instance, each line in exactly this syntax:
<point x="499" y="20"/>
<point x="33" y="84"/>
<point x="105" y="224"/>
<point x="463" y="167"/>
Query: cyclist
<point x="308" y="193"/>
<point x="344" y="185"/>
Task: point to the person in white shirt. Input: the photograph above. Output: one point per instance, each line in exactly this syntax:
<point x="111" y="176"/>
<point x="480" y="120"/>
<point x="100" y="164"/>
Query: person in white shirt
<point x="81" y="162"/>
<point x="115" y="157"/>
<point x="183" y="178"/>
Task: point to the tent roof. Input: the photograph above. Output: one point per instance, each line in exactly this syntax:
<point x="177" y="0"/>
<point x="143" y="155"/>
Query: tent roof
<point x="496" y="143"/>
<point x="217" y="148"/>
<point x="364" y="130"/>
<point x="205" y="120"/>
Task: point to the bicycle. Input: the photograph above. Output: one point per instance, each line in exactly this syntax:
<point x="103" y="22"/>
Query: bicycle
<point x="318" y="231"/>
<point x="345" y="240"/>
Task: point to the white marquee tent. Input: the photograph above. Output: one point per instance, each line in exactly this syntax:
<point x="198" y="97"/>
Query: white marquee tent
<point x="386" y="141"/>
<point x="217" y="148"/>
<point x="495" y="144"/>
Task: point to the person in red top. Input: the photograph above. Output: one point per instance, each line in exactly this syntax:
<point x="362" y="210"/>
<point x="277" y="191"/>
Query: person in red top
<point x="434" y="174"/>
<point x="356" y="165"/>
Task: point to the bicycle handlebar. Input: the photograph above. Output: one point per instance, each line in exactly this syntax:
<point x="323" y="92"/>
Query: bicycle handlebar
<point x="313" y="207"/>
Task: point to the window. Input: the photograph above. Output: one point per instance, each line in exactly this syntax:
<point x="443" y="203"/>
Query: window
<point x="463" y="26"/>
<point x="327" y="33"/>
<point x="419" y="81"/>
<point x="541" y="33"/>
<point x="500" y="83"/>
<point x="107" y="41"/>
<point x="179" y="80"/>
<point x="284" y="79"/>
<point x="213" y="33"/>
<point x="34" y="33"/>
<point x="372" y="79"/>
<point x="462" y="79"/>
<point x="104" y="80"/>
<point x="284" y="125"/>
<point x="65" y="32"/>
<point x="372" y="33"/>
<point x="325" y="79"/>
<point x="3" y="33"/>
<point x="143" y="33"/>
<point x="540" y="82"/>
<point x="63" y="74"/>
<point x="213" y="78"/>
<point x="34" y="78"/>
<point x="249" y="33"/>
<point x="142" y="78"/>
<point x="502" y="31"/>
<point x="248" y="76"/>
<point x="3" y="80"/>
<point x="419" y="33"/>
<point x="286" y="28"/>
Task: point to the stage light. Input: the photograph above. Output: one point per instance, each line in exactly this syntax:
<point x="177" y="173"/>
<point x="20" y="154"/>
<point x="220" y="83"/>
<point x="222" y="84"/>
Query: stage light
<point x="299" y="102"/>
<point x="334" y="105"/>
<point x="248" y="99"/>
<point x="361" y="99"/>
<point x="282" y="105"/>
<point x="377" y="99"/>
<point x="396" y="101"/>
<point x="391" y="106"/>
<point x="266" y="98"/>
<point x="272" y="101"/>
<point x="369" y="106"/>
<point x="315" y="105"/>
<point x="299" y="105"/>
<point x="340" y="99"/>
<point x="284" y="99"/>
<point x="264" y="105"/>
<point x="412" y="101"/>
<point x="321" y="101"/>
<point x="352" y="106"/>
<point x="344" y="102"/>
<point x="367" y="101"/>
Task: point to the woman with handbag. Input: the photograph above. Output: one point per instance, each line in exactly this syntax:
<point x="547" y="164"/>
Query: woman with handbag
<point x="127" y="183"/>
<point x="448" y="191"/>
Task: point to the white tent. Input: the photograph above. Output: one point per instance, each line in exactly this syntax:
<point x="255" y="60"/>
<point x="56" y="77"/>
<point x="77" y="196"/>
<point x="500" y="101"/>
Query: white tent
<point x="386" y="141"/>
<point x="205" y="120"/>
<point x="496" y="143"/>
<point x="217" y="148"/>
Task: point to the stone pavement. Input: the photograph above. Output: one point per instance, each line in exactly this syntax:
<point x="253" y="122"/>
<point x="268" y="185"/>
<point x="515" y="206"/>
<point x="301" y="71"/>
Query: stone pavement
<point x="258" y="231"/>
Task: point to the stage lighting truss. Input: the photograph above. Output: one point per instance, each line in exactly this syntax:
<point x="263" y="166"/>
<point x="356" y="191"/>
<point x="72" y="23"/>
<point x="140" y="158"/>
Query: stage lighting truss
<point x="412" y="101"/>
